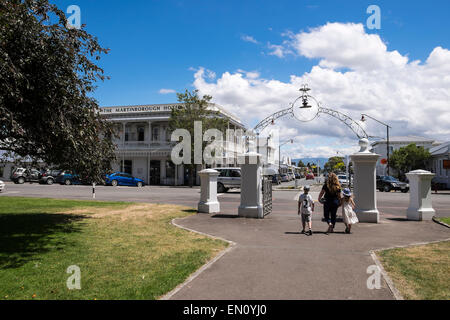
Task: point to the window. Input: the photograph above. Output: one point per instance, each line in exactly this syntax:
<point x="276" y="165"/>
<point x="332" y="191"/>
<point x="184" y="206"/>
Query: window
<point x="127" y="166"/>
<point x="126" y="134"/>
<point x="235" y="174"/>
<point x="222" y="173"/>
<point x="155" y="134"/>
<point x="170" y="169"/>
<point x="141" y="133"/>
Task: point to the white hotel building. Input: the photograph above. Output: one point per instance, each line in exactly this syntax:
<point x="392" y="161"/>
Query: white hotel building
<point x="144" y="146"/>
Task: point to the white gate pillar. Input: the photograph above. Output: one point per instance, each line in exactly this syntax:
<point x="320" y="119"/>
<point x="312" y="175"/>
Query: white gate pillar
<point x="420" y="206"/>
<point x="208" y="196"/>
<point x="364" y="167"/>
<point x="251" y="186"/>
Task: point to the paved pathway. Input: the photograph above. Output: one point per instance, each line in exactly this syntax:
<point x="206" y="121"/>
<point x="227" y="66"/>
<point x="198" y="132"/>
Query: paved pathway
<point x="273" y="261"/>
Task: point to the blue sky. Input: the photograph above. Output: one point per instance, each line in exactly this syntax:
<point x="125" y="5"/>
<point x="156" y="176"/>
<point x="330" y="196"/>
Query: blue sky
<point x="160" y="44"/>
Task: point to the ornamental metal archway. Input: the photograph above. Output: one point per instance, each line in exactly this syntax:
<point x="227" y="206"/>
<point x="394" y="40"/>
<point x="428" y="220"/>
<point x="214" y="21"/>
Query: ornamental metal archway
<point x="302" y="103"/>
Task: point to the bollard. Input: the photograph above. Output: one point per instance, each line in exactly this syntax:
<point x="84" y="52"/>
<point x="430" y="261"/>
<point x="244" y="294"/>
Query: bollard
<point x="251" y="186"/>
<point x="420" y="206"/>
<point x="364" y="166"/>
<point x="208" y="195"/>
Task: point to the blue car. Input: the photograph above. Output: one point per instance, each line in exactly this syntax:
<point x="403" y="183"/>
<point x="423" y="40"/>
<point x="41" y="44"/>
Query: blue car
<point x="123" y="179"/>
<point x="68" y="178"/>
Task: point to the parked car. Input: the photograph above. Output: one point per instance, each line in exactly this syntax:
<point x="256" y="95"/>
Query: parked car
<point x="388" y="183"/>
<point x="49" y="176"/>
<point x="310" y="176"/>
<point x="22" y="175"/>
<point x="2" y="186"/>
<point x="291" y="176"/>
<point x="229" y="178"/>
<point x="123" y="179"/>
<point x="276" y="179"/>
<point x="297" y="176"/>
<point x="285" y="178"/>
<point x="436" y="185"/>
<point x="343" y="180"/>
<point x="68" y="178"/>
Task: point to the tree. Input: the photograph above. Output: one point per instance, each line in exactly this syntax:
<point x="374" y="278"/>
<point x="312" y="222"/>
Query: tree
<point x="195" y="109"/>
<point x="300" y="164"/>
<point x="411" y="157"/>
<point x="335" y="164"/>
<point x="47" y="77"/>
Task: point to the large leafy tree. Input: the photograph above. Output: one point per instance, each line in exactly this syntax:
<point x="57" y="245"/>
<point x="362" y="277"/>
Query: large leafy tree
<point x="335" y="164"/>
<point x="195" y="108"/>
<point x="411" y="157"/>
<point x="47" y="76"/>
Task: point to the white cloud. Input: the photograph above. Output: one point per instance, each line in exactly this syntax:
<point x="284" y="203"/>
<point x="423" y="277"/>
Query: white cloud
<point x="166" y="91"/>
<point x="276" y="50"/>
<point x="248" y="38"/>
<point x="355" y="73"/>
<point x="346" y="45"/>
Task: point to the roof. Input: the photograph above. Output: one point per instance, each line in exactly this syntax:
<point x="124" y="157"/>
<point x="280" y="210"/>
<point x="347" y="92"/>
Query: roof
<point x="441" y="149"/>
<point x="405" y="139"/>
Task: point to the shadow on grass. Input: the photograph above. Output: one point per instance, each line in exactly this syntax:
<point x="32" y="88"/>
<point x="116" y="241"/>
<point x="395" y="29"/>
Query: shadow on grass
<point x="23" y="236"/>
<point x="190" y="210"/>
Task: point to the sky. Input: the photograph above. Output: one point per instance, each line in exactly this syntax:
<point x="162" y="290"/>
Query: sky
<point x="253" y="56"/>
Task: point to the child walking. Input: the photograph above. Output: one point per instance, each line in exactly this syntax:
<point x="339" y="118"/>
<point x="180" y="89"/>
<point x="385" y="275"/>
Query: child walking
<point x="348" y="213"/>
<point x="305" y="209"/>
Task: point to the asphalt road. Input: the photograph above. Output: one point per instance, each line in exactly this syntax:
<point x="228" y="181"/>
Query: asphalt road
<point x="389" y="204"/>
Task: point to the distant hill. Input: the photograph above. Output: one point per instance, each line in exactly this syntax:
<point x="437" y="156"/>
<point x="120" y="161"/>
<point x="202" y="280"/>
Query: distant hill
<point x="322" y="161"/>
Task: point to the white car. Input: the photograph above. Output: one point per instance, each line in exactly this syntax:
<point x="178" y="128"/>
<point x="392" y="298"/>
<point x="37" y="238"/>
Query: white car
<point x="343" y="180"/>
<point x="2" y="186"/>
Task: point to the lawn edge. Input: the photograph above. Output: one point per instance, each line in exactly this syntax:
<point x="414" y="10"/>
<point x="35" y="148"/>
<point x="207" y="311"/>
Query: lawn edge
<point x="206" y="266"/>
<point x="435" y="219"/>
<point x="373" y="253"/>
<point x="395" y="292"/>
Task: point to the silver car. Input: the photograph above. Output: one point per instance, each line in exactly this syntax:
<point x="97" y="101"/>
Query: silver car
<point x="343" y="180"/>
<point x="229" y="178"/>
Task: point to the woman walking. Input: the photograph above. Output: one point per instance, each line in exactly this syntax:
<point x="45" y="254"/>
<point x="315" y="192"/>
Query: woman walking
<point x="331" y="193"/>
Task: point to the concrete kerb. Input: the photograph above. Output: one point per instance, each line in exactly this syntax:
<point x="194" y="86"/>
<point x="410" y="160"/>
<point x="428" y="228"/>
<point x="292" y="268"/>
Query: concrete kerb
<point x="440" y="222"/>
<point x="170" y="294"/>
<point x="373" y="253"/>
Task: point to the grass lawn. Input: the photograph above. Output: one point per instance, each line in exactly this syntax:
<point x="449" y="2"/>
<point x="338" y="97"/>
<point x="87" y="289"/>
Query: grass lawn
<point x="420" y="272"/>
<point x="124" y="250"/>
<point x="445" y="220"/>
